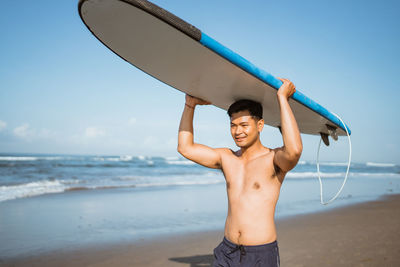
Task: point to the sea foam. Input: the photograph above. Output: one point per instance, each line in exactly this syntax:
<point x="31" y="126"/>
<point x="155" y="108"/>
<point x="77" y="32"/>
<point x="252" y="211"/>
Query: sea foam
<point x="374" y="164"/>
<point x="30" y="189"/>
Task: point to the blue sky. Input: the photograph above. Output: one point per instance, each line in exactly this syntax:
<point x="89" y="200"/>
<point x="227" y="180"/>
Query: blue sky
<point x="62" y="91"/>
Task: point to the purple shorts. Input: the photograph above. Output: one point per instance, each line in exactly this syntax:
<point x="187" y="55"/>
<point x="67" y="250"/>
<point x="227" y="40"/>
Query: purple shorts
<point x="228" y="254"/>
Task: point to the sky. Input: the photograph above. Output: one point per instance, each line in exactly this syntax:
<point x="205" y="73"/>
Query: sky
<point x="63" y="92"/>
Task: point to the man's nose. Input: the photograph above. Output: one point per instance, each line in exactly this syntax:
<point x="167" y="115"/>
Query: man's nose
<point x="239" y="130"/>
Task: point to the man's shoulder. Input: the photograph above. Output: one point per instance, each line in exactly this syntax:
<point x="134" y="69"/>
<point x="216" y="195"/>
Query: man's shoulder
<point x="225" y="150"/>
<point x="276" y="149"/>
<point x="227" y="153"/>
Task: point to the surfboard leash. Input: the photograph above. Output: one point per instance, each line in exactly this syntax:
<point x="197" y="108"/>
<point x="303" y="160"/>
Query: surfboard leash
<point x="347" y="171"/>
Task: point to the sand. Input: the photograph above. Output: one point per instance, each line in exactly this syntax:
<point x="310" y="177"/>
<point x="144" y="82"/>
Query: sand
<point x="366" y="234"/>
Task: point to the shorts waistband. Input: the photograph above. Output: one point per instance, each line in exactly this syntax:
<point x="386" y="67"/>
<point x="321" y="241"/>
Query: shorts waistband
<point x="256" y="248"/>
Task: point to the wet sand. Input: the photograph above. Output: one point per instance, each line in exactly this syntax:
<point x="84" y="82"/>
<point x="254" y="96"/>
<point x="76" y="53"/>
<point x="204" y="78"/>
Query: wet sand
<point x="366" y="234"/>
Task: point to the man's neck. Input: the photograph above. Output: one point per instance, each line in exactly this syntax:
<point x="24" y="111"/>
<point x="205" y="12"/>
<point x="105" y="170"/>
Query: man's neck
<point x="249" y="152"/>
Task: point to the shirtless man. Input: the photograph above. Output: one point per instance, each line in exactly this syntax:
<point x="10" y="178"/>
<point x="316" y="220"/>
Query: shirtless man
<point x="253" y="174"/>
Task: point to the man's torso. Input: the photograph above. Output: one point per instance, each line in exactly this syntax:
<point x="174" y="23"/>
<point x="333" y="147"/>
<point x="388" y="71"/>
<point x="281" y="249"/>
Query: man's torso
<point x="253" y="188"/>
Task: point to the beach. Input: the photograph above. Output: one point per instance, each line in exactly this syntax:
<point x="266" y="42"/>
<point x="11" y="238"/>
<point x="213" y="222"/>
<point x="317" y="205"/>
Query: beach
<point x="65" y="210"/>
<point x="91" y="109"/>
<point x="365" y="234"/>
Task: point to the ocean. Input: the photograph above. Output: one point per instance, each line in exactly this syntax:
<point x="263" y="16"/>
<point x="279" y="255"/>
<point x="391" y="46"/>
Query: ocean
<point x="59" y="201"/>
<point x="24" y="176"/>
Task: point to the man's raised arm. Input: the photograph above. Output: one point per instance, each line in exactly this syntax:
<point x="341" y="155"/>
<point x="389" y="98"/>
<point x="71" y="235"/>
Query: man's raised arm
<point x="198" y="153"/>
<point x="287" y="156"/>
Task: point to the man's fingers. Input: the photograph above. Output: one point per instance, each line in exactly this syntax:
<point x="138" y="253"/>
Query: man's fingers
<point x="197" y="100"/>
<point x="203" y="102"/>
<point x="287" y="81"/>
<point x="284" y="80"/>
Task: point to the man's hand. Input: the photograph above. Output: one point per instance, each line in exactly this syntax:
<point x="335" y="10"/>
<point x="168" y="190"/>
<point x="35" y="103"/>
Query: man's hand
<point x="287" y="89"/>
<point x="192" y="101"/>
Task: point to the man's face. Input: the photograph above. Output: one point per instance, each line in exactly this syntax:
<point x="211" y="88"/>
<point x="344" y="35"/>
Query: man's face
<point x="245" y="129"/>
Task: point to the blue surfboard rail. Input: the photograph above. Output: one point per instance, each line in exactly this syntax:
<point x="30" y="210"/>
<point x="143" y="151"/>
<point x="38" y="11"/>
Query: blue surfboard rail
<point x="264" y="76"/>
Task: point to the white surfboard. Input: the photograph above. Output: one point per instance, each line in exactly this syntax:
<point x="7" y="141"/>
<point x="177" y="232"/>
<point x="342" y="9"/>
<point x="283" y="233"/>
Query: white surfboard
<point x="180" y="55"/>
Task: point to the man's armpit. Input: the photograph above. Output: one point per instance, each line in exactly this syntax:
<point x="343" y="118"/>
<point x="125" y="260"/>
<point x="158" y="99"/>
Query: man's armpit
<point x="277" y="170"/>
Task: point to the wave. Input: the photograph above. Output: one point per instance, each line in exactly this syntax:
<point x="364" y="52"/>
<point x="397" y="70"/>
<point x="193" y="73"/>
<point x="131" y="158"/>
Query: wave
<point x="165" y="184"/>
<point x="181" y="162"/>
<point x="18" y="158"/>
<point x="147" y="160"/>
<point x="304" y="162"/>
<point x="295" y="175"/>
<point x="31" y="158"/>
<point x="120" y="158"/>
<point x="74" y="158"/>
<point x="84" y="188"/>
<point x="30" y="189"/>
<point x="374" y="164"/>
<point x="333" y="164"/>
<point x="171" y="158"/>
<point x="142" y="157"/>
<point x="313" y="174"/>
<point x="219" y="181"/>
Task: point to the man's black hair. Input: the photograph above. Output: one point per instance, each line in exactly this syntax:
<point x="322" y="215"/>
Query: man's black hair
<point x="255" y="109"/>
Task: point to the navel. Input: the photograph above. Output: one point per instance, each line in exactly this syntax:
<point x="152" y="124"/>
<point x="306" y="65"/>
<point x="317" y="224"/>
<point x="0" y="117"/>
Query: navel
<point x="256" y="185"/>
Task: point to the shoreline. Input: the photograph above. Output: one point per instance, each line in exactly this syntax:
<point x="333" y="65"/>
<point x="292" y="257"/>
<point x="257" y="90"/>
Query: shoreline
<point x="364" y="234"/>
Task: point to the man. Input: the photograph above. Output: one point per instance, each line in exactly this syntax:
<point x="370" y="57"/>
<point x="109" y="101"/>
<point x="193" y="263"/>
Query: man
<point x="253" y="174"/>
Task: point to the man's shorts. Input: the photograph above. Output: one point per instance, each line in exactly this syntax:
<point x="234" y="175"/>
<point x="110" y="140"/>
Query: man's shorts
<point x="232" y="255"/>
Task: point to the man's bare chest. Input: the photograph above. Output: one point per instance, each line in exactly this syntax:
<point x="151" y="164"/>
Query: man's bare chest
<point x="253" y="175"/>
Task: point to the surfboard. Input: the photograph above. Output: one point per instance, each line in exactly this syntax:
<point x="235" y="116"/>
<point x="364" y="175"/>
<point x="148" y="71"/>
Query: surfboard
<point x="185" y="58"/>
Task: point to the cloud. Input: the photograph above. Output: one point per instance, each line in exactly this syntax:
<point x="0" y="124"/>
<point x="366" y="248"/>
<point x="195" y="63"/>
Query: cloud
<point x="3" y="125"/>
<point x="132" y="121"/>
<point x="23" y="131"/>
<point x="93" y="132"/>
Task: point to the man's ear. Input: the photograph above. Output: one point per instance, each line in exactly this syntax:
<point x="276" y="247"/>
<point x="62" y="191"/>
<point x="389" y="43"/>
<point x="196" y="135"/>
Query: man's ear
<point x="260" y="125"/>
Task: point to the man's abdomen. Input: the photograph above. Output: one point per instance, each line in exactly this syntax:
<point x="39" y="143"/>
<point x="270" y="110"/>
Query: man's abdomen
<point x="250" y="220"/>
